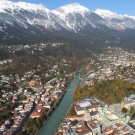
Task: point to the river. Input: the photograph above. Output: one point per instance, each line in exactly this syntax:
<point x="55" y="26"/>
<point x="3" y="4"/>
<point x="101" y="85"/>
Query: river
<point x="55" y="119"/>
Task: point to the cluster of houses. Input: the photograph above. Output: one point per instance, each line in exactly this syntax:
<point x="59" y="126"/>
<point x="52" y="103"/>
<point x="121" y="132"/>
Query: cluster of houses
<point x="33" y="106"/>
<point x="20" y="115"/>
<point x="28" y="91"/>
<point x="5" y="61"/>
<point x="93" y="117"/>
<point x="29" y="104"/>
<point x="114" y="63"/>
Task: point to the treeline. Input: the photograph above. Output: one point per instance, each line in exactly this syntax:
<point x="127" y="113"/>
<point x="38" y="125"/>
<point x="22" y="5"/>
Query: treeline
<point x="110" y="91"/>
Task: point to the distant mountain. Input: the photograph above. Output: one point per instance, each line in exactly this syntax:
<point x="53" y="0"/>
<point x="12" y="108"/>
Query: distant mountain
<point x="116" y="21"/>
<point x="24" y="21"/>
<point x="27" y="14"/>
<point x="76" y="17"/>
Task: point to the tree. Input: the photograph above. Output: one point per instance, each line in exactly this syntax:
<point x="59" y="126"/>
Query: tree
<point x="72" y="111"/>
<point x="124" y="110"/>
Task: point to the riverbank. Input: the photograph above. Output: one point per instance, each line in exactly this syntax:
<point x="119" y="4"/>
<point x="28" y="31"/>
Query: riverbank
<point x="56" y="104"/>
<point x="55" y="133"/>
<point x="53" y="122"/>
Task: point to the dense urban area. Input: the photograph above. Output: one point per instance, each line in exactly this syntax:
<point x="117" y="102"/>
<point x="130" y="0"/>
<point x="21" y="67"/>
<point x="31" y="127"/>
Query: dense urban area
<point x="33" y="82"/>
<point x="103" y="102"/>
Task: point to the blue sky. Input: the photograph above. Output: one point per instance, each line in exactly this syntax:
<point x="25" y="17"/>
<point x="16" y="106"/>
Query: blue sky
<point x="118" y="6"/>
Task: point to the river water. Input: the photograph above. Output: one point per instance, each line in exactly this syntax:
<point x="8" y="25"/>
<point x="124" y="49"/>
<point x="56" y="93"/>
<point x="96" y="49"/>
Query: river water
<point x="55" y="119"/>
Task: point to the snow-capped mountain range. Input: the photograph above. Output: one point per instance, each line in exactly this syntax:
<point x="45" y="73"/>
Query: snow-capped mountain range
<point x="72" y="17"/>
<point x="116" y="21"/>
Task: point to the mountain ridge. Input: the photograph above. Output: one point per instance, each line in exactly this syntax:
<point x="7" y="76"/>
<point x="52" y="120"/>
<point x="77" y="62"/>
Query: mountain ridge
<point x="20" y="20"/>
<point x="109" y="14"/>
<point x="50" y="18"/>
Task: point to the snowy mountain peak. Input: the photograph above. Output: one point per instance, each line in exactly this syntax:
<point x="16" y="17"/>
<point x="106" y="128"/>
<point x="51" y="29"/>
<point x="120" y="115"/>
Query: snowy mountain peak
<point x="5" y="5"/>
<point x="72" y="17"/>
<point x="107" y="14"/>
<point x="72" y="8"/>
<point x="29" y="6"/>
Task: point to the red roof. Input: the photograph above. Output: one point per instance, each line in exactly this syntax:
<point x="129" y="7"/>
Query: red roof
<point x="83" y="129"/>
<point x="59" y="133"/>
<point x="37" y="111"/>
